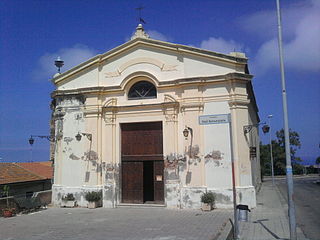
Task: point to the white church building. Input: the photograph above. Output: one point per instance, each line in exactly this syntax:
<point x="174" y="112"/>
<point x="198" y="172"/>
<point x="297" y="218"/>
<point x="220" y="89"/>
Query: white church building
<point x="153" y="122"/>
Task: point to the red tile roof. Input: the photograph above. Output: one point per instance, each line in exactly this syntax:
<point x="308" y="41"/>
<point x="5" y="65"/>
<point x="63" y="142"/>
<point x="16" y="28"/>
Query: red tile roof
<point x="24" y="172"/>
<point x="43" y="169"/>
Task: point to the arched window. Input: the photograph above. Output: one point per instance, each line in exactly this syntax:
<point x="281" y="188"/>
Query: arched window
<point x="142" y="90"/>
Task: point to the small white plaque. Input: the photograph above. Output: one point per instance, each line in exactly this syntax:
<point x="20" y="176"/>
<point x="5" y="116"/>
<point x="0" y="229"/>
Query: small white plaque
<point x="214" y="119"/>
<point x="159" y="178"/>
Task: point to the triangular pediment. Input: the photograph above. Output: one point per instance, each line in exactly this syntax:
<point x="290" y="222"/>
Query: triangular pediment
<point x="163" y="60"/>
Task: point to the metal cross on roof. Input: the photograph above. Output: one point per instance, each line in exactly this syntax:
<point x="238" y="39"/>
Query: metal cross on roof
<point x="140" y="19"/>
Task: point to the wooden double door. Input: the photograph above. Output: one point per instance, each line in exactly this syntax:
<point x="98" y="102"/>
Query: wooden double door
<point x="142" y="163"/>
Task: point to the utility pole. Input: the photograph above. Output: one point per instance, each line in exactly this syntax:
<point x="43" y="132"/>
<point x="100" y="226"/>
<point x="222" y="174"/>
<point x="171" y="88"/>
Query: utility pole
<point x="291" y="211"/>
<point x="236" y="232"/>
<point x="271" y="154"/>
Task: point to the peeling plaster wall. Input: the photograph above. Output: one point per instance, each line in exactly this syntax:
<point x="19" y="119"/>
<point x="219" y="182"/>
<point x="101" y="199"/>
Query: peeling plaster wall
<point x="190" y="197"/>
<point x="172" y="195"/>
<point x="224" y="197"/>
<point x="76" y="162"/>
<point x="78" y="159"/>
<point x="193" y="165"/>
<point x="204" y="165"/>
<point x="111" y="188"/>
<point x="217" y="148"/>
<point x="254" y="141"/>
<point x="59" y="191"/>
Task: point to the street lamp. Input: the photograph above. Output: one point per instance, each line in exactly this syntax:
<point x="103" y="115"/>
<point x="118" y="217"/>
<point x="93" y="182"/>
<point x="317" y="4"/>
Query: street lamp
<point x="31" y="142"/>
<point x="248" y="128"/>
<point x="186" y="132"/>
<point x="49" y="138"/>
<point x="88" y="135"/>
<point x="59" y="63"/>
<point x="271" y="155"/>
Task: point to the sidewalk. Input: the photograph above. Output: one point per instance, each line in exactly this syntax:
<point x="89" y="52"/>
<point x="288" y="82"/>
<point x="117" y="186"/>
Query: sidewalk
<point x="269" y="220"/>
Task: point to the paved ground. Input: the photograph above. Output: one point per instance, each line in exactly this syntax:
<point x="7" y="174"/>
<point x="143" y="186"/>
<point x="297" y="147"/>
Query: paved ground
<point x="307" y="204"/>
<point x="269" y="220"/>
<point x="114" y="224"/>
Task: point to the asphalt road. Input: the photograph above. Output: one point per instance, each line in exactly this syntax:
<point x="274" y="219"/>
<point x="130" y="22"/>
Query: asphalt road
<point x="307" y="203"/>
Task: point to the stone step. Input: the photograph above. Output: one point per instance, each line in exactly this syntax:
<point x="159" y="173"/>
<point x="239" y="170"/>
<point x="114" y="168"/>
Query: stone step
<point x="144" y="205"/>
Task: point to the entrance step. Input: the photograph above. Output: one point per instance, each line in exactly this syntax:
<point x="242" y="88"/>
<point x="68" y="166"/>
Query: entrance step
<point x="145" y="205"/>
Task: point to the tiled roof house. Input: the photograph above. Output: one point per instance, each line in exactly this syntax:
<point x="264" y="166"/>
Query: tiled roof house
<point x="24" y="178"/>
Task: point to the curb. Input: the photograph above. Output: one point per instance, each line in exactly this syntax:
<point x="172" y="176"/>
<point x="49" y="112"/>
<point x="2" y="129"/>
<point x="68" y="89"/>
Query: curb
<point x="300" y="233"/>
<point x="225" y="232"/>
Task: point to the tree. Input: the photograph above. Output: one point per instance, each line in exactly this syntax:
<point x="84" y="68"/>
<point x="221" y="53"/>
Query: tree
<point x="265" y="159"/>
<point x="279" y="154"/>
<point x="318" y="160"/>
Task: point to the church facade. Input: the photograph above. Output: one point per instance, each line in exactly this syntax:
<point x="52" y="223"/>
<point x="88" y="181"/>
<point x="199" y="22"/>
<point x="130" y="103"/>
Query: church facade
<point x="152" y="122"/>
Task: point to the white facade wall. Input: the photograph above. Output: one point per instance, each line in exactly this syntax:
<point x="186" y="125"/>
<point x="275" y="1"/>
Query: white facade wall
<point x="94" y="100"/>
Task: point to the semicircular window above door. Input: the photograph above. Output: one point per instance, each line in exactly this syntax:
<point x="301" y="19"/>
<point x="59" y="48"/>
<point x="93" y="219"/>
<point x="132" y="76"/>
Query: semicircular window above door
<point x="142" y="90"/>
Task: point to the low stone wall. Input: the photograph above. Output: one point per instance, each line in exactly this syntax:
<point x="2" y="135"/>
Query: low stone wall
<point x="3" y="203"/>
<point x="44" y="197"/>
<point x="59" y="191"/>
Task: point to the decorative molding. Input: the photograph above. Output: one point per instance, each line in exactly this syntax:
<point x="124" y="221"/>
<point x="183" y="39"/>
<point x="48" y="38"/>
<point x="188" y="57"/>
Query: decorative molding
<point x="238" y="104"/>
<point x="92" y="109"/>
<point x="170" y="108"/>
<point x="139" y="60"/>
<point x="110" y="102"/>
<point x="139" y="33"/>
<point x="168" y="68"/>
<point x="112" y="74"/>
<point x="169" y="98"/>
<point x="109" y="111"/>
<point x="161" y="84"/>
<point x="194" y="106"/>
<point x="171" y="117"/>
<point x="161" y="65"/>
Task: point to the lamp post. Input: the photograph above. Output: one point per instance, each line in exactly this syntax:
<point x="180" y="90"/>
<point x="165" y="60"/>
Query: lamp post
<point x="291" y="210"/>
<point x="271" y="154"/>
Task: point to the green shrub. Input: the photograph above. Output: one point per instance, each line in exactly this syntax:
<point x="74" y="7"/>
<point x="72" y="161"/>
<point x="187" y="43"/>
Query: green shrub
<point x="94" y="196"/>
<point x="68" y="197"/>
<point x="208" y="197"/>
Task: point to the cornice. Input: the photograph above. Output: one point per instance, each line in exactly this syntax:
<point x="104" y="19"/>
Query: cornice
<point x="163" y="84"/>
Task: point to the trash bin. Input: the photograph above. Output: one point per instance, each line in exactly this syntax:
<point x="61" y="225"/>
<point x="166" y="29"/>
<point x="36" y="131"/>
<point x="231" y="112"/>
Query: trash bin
<point x="243" y="212"/>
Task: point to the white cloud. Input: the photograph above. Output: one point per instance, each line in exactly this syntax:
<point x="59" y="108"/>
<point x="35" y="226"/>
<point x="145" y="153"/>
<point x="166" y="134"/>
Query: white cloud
<point x="159" y="36"/>
<point x="71" y="57"/>
<point x="221" y="45"/>
<point x="301" y="44"/>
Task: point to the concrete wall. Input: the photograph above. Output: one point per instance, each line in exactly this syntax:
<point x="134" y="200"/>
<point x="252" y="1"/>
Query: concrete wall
<point x="23" y="187"/>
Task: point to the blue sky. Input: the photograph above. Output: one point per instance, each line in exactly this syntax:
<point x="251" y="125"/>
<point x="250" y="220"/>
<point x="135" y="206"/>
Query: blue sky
<point x="34" y="33"/>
